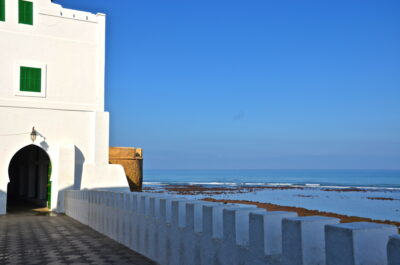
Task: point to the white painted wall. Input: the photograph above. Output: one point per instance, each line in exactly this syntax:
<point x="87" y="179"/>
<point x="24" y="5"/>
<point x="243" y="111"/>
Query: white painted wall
<point x="72" y="49"/>
<point x="163" y="228"/>
<point x="69" y="46"/>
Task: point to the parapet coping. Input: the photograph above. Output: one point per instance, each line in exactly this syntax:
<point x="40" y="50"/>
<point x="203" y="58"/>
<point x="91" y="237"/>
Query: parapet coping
<point x="72" y="14"/>
<point x="312" y="218"/>
<point x="361" y="226"/>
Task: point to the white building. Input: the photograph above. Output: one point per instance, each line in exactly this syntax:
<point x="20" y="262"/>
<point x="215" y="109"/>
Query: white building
<point x="52" y="78"/>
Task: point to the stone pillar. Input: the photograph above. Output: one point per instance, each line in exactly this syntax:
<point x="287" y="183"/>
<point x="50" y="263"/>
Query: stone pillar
<point x="393" y="250"/>
<point x="132" y="161"/>
<point x="357" y="243"/>
<point x="266" y="232"/>
<point x="303" y="240"/>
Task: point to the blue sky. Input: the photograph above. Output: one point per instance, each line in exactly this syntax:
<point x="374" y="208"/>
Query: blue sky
<point x="227" y="84"/>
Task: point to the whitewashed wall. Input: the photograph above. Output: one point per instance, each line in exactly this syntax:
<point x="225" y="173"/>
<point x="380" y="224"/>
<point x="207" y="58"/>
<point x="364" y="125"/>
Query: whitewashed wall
<point x="70" y="43"/>
<point x="70" y="46"/>
<point x="173" y="230"/>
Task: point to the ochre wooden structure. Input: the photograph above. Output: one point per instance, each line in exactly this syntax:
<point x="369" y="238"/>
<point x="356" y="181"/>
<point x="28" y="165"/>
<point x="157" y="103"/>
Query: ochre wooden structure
<point x="132" y="161"/>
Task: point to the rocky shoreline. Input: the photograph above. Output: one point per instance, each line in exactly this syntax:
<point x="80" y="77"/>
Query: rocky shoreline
<point x="210" y="192"/>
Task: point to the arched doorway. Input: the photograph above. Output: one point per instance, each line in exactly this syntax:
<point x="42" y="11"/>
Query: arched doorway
<point x="29" y="172"/>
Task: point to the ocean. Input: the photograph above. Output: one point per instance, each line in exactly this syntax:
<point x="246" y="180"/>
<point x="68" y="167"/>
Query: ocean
<point x="378" y="196"/>
<point x="330" y="178"/>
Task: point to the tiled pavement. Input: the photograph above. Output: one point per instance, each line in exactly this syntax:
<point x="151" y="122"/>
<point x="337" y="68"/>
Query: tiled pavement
<point x="43" y="239"/>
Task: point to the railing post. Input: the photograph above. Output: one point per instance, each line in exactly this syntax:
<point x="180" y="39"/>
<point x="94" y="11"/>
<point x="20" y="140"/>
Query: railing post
<point x="132" y="220"/>
<point x="164" y="244"/>
<point x="357" y="243"/>
<point x="236" y="234"/>
<point x="192" y="235"/>
<point x="393" y="250"/>
<point x="175" y="234"/>
<point x="303" y="240"/>
<point x="266" y="236"/>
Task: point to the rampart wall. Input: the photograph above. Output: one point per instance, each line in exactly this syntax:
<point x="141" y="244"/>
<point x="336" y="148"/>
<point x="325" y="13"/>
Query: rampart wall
<point x="173" y="230"/>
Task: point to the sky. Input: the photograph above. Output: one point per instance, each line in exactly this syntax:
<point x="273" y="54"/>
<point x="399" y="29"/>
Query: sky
<point x="228" y="84"/>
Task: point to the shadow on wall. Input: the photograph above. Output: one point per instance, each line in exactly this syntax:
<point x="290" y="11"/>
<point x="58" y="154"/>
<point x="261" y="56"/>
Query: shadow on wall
<point x="61" y="199"/>
<point x="45" y="146"/>
<point x="3" y="202"/>
<point x="79" y="161"/>
<point x="113" y="189"/>
<point x="61" y="195"/>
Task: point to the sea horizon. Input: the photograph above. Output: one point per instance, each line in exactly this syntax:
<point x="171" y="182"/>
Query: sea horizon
<point x="366" y="178"/>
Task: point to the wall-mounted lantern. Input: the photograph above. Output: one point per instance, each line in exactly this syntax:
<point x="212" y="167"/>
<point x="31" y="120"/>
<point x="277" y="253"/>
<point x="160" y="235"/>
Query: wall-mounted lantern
<point x="33" y="134"/>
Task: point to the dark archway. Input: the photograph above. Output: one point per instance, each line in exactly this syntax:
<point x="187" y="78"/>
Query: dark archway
<point x="29" y="174"/>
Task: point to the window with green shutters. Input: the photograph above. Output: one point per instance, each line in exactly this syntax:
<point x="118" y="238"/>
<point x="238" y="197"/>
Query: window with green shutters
<point x="30" y="79"/>
<point x="2" y="10"/>
<point x="25" y="12"/>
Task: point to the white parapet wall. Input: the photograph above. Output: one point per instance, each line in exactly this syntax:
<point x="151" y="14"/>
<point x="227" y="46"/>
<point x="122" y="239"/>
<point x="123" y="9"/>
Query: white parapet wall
<point x="174" y="230"/>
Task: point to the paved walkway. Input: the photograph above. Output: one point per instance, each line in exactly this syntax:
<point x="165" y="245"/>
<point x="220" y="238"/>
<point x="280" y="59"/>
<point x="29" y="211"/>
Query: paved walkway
<point x="38" y="238"/>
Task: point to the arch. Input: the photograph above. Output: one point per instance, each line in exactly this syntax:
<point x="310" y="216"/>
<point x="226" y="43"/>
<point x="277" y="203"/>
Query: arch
<point x="29" y="174"/>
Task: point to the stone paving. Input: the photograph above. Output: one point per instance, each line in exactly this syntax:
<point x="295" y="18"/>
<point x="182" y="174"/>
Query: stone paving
<point x="43" y="238"/>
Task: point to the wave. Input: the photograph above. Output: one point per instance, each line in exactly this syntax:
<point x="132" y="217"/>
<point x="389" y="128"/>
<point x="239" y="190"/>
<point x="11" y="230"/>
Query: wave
<point x="312" y="185"/>
<point x="155" y="183"/>
<point x="214" y="183"/>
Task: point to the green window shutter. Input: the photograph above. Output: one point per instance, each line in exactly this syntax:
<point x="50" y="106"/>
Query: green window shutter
<point x="30" y="79"/>
<point x="2" y="10"/>
<point x="25" y="12"/>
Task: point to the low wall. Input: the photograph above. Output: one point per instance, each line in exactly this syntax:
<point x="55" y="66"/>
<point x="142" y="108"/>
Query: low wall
<point x="173" y="230"/>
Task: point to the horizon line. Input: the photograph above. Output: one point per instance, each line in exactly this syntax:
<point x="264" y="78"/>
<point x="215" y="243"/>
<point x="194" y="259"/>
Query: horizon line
<point x="272" y="169"/>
